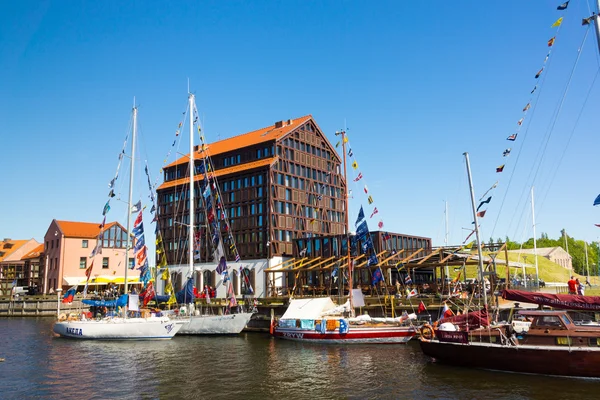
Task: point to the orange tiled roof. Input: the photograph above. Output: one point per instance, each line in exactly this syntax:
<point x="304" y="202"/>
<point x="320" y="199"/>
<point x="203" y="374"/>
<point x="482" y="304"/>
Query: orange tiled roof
<point x="35" y="253"/>
<point x="247" y="139"/>
<point x="10" y="246"/>
<point x="82" y="229"/>
<point x="223" y="171"/>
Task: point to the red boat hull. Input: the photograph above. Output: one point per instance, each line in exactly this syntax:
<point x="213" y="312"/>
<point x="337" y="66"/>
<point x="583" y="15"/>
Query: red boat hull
<point x="546" y="360"/>
<point x="390" y="335"/>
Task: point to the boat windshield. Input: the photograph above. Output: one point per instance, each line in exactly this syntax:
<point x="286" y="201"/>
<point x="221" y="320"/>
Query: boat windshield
<point x="566" y="319"/>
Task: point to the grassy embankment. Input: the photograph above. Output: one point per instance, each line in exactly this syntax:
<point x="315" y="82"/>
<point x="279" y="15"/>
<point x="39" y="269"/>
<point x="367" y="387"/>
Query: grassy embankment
<point x="549" y="271"/>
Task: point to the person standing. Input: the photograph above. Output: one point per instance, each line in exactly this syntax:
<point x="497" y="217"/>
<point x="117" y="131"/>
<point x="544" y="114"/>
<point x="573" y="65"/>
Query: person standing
<point x="580" y="287"/>
<point x="572" y="283"/>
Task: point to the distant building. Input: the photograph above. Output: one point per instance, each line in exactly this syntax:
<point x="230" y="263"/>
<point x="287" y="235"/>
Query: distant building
<point x="12" y="267"/>
<point x="33" y="260"/>
<point x="555" y="254"/>
<point x="67" y="249"/>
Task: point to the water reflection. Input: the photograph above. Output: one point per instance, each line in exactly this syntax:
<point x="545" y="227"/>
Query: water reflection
<point x="249" y="366"/>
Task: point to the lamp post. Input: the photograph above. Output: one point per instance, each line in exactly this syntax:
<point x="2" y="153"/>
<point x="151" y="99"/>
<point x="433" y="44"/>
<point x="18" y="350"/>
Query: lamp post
<point x="58" y="302"/>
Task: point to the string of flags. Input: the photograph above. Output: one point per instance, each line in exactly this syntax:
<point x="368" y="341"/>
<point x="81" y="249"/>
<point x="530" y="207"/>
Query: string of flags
<point x="551" y="42"/>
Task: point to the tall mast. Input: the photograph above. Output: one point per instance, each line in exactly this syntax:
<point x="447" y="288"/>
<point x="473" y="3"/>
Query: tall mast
<point x="587" y="265"/>
<point x="482" y="282"/>
<point x="537" y="276"/>
<point x="446" y="241"/>
<point x="350" y="272"/>
<point x="130" y="192"/>
<point x="596" y="18"/>
<point x="192" y="202"/>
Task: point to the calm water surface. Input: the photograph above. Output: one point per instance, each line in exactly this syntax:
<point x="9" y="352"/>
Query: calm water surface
<point x="249" y="366"/>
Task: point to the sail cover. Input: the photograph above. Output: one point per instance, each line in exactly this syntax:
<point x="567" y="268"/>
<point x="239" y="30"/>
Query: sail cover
<point x="560" y="301"/>
<point x="312" y="308"/>
<point x="474" y="318"/>
<point x="186" y="295"/>
<point x="120" y="302"/>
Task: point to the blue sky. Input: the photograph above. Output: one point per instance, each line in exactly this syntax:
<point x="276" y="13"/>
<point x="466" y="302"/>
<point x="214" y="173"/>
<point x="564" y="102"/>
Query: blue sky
<point x="416" y="82"/>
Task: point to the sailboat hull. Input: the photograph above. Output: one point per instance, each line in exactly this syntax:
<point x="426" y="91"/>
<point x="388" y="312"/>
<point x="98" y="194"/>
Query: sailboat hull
<point x="355" y="335"/>
<point x="231" y="324"/>
<point x="546" y="360"/>
<point x="153" y="328"/>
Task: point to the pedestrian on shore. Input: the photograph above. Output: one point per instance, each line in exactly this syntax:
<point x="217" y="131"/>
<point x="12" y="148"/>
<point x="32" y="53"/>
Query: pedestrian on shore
<point x="572" y="285"/>
<point x="587" y="282"/>
<point x="580" y="287"/>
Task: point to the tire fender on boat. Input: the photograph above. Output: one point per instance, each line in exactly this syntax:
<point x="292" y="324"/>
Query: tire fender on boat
<point x="427" y="332"/>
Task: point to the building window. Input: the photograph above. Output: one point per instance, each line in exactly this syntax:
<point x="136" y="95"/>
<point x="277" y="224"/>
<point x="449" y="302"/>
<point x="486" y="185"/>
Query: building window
<point x="82" y="262"/>
<point x="131" y="263"/>
<point x="104" y="262"/>
<point x="84" y="244"/>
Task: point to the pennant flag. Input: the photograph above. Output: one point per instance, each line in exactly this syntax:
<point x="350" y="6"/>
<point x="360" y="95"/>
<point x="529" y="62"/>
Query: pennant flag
<point x="500" y="168"/>
<point x="563" y="6"/>
<point x="337" y="144"/>
<point x="106" y="208"/>
<point x="361" y="216"/>
<point x="506" y="152"/>
<point x="380" y="224"/>
<point x="354" y="165"/>
<point x="551" y="41"/>
<point x="422" y="307"/>
<point x="481" y="214"/>
<point x="350" y="154"/>
<point x="586" y="21"/>
<point x="558" y="22"/>
<point x="412" y="293"/>
<point x="539" y="73"/>
<point x="526" y="107"/>
<point x="375" y="211"/>
<point x="486" y="201"/>
<point x="534" y="88"/>
<point x="470" y="245"/>
<point x="377" y="276"/>
<point x="136" y="207"/>
<point x="447" y="312"/>
<point x="359" y="177"/>
<point x="597" y="201"/>
<point x="408" y="280"/>
<point x="520" y="122"/>
<point x="111" y="193"/>
<point x="487" y="191"/>
<point x="366" y="189"/>
<point x="370" y="200"/>
<point x="512" y="137"/>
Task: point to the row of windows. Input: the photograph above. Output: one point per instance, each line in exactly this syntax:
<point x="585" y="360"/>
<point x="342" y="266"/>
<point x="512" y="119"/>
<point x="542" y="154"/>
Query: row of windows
<point x="243" y="182"/>
<point x="325" y="185"/>
<point x="307" y="148"/>
<point x="237" y="159"/>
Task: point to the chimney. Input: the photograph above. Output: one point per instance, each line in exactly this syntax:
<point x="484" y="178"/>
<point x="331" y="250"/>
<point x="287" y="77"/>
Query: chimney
<point x="6" y="240"/>
<point x="278" y="124"/>
<point x="289" y="121"/>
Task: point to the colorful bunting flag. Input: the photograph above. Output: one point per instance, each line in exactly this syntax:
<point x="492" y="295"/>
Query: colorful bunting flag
<point x="481" y="214"/>
<point x="551" y="41"/>
<point x="506" y="152"/>
<point x="563" y="6"/>
<point x="500" y="168"/>
<point x="539" y="73"/>
<point x="355" y="165"/>
<point x="375" y="211"/>
<point x="512" y="137"/>
<point x="486" y="201"/>
<point x="597" y="201"/>
<point x="359" y="177"/>
<point x="370" y="200"/>
<point x="380" y="224"/>
<point x="526" y="107"/>
<point x="557" y="23"/>
<point x="350" y="154"/>
<point x="366" y="189"/>
<point x="520" y="122"/>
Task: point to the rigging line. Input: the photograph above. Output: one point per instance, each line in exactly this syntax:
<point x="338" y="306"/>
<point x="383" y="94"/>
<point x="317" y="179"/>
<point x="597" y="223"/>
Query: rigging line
<point x="541" y="87"/>
<point x="568" y="141"/>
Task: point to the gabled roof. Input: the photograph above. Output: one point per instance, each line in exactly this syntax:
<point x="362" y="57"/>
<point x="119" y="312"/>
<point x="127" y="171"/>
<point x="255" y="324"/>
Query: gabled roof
<point x="35" y="253"/>
<point x="7" y="247"/>
<point x="223" y="171"/>
<point x="270" y="133"/>
<point x="88" y="230"/>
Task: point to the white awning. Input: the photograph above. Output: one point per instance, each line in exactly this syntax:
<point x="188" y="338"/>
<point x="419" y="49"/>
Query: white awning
<point x="73" y="280"/>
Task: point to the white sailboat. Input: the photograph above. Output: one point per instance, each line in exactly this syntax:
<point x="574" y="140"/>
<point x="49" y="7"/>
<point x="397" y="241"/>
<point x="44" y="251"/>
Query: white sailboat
<point x="149" y="327"/>
<point x="201" y="323"/>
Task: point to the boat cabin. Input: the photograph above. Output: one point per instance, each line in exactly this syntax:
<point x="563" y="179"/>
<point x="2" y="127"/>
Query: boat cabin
<point x="556" y="328"/>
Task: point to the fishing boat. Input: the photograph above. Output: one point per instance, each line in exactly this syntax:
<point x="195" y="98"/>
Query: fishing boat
<point x="130" y="323"/>
<point x="320" y="320"/>
<point x="199" y="321"/>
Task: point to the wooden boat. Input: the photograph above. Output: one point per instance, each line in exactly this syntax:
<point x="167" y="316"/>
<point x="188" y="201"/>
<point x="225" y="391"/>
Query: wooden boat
<point x="319" y="320"/>
<point x="553" y="345"/>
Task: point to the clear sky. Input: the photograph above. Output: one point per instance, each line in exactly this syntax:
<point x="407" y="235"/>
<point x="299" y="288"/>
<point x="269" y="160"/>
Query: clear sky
<point x="417" y="83"/>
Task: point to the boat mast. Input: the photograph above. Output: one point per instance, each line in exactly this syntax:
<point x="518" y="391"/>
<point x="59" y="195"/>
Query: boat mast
<point x="350" y="272"/>
<point x="596" y="18"/>
<point x="192" y="202"/>
<point x="133" y="137"/>
<point x="446" y="244"/>
<point x="537" y="276"/>
<point x="482" y="282"/>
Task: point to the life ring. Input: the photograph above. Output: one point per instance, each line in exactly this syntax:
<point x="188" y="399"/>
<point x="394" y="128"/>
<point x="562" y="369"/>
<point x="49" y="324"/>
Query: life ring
<point x="427" y="332"/>
<point x="73" y="317"/>
<point x="62" y="317"/>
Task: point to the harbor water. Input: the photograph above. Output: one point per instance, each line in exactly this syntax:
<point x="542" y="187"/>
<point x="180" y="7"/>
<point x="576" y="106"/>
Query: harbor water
<point x="250" y="366"/>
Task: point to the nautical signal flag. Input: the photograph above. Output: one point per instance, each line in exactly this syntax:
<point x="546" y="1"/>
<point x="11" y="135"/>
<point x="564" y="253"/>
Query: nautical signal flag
<point x="551" y="41"/>
<point x="359" y="177"/>
<point x="534" y="88"/>
<point x="563" y="6"/>
<point x="558" y="22"/>
<point x="539" y="73"/>
<point x="520" y="122"/>
<point x="408" y="280"/>
<point x="447" y="312"/>
<point x="500" y="168"/>
<point x="366" y="189"/>
<point x="422" y="307"/>
<point x="354" y="165"/>
<point x="597" y="201"/>
<point x="598" y="225"/>
<point x="512" y="137"/>
<point x="481" y="214"/>
<point x="486" y="201"/>
<point x="380" y="224"/>
<point x="377" y="276"/>
<point x="526" y="107"/>
<point x="412" y="293"/>
<point x="375" y="211"/>
<point x="370" y="200"/>
<point x="506" y="152"/>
